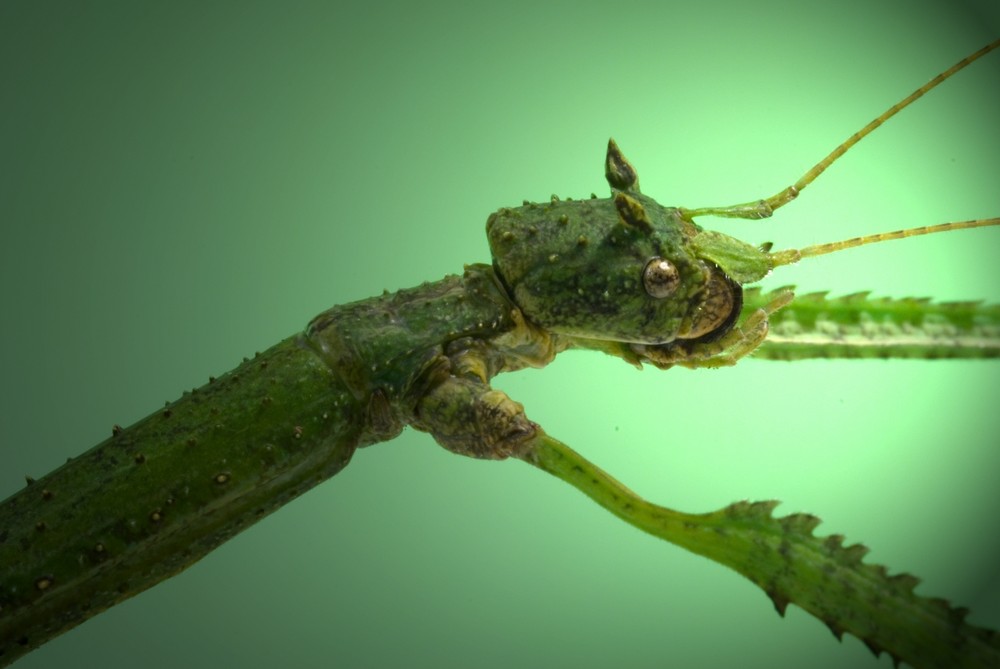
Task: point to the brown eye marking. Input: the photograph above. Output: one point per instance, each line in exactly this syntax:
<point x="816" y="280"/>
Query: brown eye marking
<point x="660" y="278"/>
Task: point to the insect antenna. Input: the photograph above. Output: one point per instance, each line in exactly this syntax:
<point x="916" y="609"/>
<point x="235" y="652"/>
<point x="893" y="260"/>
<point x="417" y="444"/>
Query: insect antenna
<point x="790" y="256"/>
<point x="764" y="208"/>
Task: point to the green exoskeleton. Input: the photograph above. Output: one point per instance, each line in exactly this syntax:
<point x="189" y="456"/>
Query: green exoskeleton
<point x="622" y="275"/>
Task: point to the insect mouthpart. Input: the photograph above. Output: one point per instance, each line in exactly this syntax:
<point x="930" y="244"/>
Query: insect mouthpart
<point x="719" y="307"/>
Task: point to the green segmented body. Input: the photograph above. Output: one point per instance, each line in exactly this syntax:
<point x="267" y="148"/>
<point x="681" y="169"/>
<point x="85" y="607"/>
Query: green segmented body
<point x="624" y="276"/>
<point x="155" y="497"/>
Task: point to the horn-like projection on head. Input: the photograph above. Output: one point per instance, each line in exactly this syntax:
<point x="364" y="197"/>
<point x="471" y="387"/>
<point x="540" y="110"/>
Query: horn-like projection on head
<point x="613" y="269"/>
<point x="618" y="171"/>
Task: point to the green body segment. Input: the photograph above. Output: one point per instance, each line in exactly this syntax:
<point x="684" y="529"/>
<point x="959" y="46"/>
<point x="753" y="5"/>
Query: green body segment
<point x="859" y="326"/>
<point x="157" y="496"/>
<point x="394" y="346"/>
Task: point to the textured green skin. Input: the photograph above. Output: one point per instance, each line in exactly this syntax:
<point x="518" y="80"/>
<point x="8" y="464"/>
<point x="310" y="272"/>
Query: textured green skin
<point x="159" y="495"/>
<point x="392" y="343"/>
<point x="553" y="248"/>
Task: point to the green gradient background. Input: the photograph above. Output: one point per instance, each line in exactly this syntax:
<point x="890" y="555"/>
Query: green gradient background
<point x="183" y="185"/>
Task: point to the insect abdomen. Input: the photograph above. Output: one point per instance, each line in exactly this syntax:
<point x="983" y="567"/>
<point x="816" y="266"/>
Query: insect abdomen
<point x="157" y="496"/>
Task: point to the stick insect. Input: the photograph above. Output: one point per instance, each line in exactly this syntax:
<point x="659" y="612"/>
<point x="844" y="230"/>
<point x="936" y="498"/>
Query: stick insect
<point x="620" y="275"/>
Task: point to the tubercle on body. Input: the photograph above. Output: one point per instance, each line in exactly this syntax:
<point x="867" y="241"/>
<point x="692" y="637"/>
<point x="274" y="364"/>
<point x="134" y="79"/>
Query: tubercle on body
<point x="630" y="277"/>
<point x="158" y="495"/>
<point x="622" y="269"/>
<point x="424" y="357"/>
<point x="624" y="276"/>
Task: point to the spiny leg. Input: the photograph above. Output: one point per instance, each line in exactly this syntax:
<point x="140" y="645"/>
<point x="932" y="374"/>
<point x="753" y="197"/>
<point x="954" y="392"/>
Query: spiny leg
<point x="793" y="566"/>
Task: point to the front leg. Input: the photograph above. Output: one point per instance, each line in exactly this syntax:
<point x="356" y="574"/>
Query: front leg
<point x="466" y="416"/>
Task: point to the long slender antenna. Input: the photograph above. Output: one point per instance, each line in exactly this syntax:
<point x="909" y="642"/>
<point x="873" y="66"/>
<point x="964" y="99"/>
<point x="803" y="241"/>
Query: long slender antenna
<point x="789" y="256"/>
<point x="766" y="207"/>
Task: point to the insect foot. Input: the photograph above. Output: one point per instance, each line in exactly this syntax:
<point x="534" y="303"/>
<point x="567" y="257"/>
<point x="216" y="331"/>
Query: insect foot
<point x="468" y="417"/>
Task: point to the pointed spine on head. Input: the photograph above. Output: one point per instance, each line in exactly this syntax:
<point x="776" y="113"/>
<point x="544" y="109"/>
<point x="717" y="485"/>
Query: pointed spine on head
<point x="632" y="214"/>
<point x="618" y="171"/>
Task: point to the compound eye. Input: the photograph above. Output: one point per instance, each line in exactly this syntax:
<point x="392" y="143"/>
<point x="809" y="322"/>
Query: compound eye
<point x="660" y="278"/>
